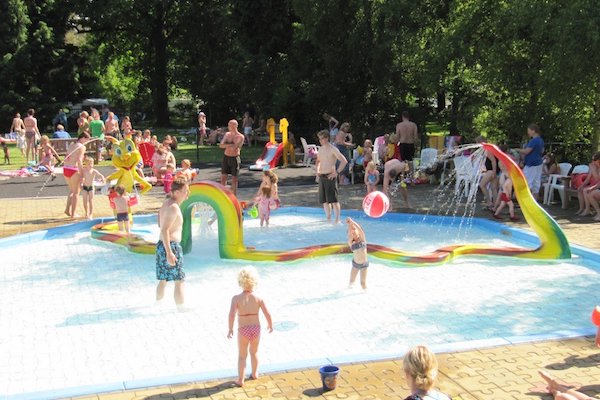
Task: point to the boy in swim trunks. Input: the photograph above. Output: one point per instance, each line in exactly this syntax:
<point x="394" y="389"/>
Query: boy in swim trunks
<point x="122" y="208"/>
<point x="89" y="175"/>
<point x="358" y="244"/>
<point x="169" y="254"/>
<point x="246" y="305"/>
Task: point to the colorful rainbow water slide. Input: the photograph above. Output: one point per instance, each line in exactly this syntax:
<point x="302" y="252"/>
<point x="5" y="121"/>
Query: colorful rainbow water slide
<point x="553" y="243"/>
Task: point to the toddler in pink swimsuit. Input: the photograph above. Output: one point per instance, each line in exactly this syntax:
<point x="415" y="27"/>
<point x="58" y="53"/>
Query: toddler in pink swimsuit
<point x="246" y="305"/>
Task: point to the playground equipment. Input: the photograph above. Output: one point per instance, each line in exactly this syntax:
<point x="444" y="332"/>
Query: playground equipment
<point x="273" y="150"/>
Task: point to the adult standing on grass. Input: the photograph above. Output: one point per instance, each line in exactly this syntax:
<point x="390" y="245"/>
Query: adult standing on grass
<point x="18" y="127"/>
<point x="533" y="161"/>
<point x="73" y="171"/>
<point x="169" y="254"/>
<point x="327" y="174"/>
<point x="201" y="128"/>
<point x="31" y="132"/>
<point x="247" y="123"/>
<point x="97" y="127"/>
<point x="232" y="143"/>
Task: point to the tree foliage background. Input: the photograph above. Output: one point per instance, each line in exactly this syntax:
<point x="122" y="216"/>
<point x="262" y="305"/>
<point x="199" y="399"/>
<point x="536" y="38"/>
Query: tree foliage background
<point x="497" y="64"/>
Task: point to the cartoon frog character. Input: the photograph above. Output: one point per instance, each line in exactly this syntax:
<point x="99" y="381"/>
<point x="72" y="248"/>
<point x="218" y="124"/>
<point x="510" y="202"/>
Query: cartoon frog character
<point x="125" y="158"/>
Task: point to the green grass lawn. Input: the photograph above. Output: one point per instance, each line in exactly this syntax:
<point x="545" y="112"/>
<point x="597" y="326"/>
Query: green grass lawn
<point x="207" y="155"/>
<point x="434" y="128"/>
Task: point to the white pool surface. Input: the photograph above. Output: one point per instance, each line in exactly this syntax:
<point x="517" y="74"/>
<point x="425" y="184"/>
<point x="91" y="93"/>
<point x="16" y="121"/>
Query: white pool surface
<point x="78" y="315"/>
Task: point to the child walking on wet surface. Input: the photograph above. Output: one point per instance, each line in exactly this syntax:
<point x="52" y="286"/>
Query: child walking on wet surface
<point x="122" y="208"/>
<point x="358" y="244"/>
<point x="90" y="174"/>
<point x="247" y="305"/>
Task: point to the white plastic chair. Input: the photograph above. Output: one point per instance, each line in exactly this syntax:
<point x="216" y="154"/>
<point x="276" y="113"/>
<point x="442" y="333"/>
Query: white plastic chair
<point x="352" y="164"/>
<point x="555" y="182"/>
<point x="310" y="152"/>
<point x="427" y="159"/>
<point x="466" y="177"/>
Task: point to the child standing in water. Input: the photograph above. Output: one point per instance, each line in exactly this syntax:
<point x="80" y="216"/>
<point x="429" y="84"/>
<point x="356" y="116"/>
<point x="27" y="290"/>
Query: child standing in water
<point x="358" y="244"/>
<point x="90" y="174"/>
<point x="506" y="195"/>
<point x="246" y="305"/>
<point x="270" y="179"/>
<point x="122" y="208"/>
<point x="265" y="203"/>
<point x="371" y="177"/>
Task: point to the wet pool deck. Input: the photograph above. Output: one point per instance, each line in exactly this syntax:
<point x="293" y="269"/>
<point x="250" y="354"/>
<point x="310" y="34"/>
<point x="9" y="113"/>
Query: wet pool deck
<point x="503" y="372"/>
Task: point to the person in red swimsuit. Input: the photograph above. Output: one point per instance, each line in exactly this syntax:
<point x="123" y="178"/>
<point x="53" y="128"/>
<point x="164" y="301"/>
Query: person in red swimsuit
<point x="246" y="305"/>
<point x="72" y="169"/>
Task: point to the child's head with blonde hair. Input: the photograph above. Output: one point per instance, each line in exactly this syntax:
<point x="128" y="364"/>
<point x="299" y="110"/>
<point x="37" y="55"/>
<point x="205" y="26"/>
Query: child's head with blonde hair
<point x="44" y="139"/>
<point x="420" y="366"/>
<point x="185" y="163"/>
<point x="273" y="178"/>
<point x="370" y="166"/>
<point x="88" y="161"/>
<point x="248" y="278"/>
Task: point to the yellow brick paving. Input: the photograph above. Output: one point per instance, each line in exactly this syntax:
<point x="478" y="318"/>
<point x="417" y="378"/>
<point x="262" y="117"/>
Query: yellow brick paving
<point x="505" y="372"/>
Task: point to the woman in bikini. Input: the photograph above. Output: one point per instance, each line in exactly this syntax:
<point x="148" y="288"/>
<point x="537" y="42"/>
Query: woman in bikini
<point x="31" y="130"/>
<point x="246" y="305"/>
<point x="358" y="244"/>
<point x="18" y="127"/>
<point x="72" y="171"/>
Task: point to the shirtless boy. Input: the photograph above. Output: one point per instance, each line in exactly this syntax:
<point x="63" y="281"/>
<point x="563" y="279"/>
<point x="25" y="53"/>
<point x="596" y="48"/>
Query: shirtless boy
<point x="169" y="254"/>
<point x="327" y="173"/>
<point x="232" y="143"/>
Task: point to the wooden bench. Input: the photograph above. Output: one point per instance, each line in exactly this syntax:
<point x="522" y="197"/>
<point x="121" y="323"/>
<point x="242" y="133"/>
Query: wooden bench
<point x="92" y="148"/>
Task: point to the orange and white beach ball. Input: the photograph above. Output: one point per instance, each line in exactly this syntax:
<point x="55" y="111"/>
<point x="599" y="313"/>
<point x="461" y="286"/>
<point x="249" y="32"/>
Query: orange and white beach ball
<point x="376" y="204"/>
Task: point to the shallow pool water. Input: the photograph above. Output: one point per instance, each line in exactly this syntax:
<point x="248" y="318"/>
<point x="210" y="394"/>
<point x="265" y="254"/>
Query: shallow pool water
<point x="79" y="313"/>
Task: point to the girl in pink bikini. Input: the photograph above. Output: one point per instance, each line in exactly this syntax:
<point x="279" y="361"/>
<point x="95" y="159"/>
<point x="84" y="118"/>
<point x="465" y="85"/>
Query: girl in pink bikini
<point x="72" y="170"/>
<point x="246" y="305"/>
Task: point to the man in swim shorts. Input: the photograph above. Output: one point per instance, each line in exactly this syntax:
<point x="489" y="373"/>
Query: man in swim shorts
<point x="169" y="254"/>
<point x="232" y="143"/>
<point x="327" y="174"/>
<point x="408" y="136"/>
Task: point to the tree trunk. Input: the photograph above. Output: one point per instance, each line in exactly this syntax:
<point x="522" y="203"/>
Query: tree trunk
<point x="160" y="92"/>
<point x="441" y="101"/>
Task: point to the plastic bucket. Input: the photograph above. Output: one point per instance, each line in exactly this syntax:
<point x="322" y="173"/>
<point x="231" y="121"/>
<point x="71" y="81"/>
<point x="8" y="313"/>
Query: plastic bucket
<point x="329" y="375"/>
